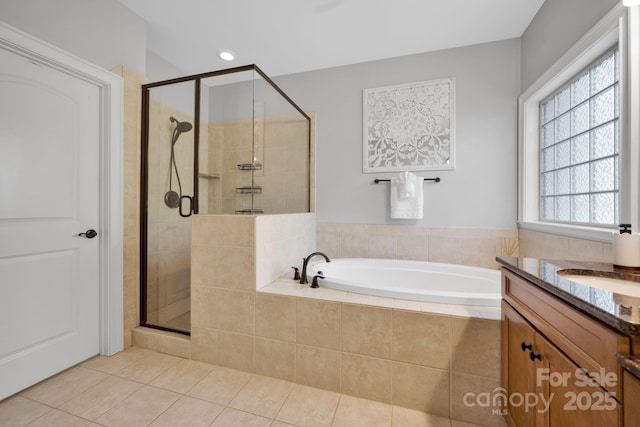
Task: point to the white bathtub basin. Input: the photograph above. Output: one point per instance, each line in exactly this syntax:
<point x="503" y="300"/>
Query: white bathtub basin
<point x="411" y="280"/>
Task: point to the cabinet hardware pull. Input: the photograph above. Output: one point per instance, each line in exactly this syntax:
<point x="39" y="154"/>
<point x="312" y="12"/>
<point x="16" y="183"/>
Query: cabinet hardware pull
<point x="526" y="347"/>
<point x="533" y="356"/>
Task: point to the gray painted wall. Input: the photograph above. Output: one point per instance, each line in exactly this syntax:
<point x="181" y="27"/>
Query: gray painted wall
<point x="480" y="192"/>
<point x="103" y="32"/>
<point x="557" y="26"/>
<point x="181" y="95"/>
<point x="159" y="69"/>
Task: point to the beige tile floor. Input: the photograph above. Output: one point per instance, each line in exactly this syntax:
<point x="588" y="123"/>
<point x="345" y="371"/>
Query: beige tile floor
<point x="138" y="387"/>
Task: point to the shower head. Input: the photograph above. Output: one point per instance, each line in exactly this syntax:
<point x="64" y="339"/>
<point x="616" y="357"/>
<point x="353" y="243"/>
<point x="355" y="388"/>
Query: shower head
<point x="181" y="126"/>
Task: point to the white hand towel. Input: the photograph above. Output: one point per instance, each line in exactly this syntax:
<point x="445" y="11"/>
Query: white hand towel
<point x="403" y="206"/>
<point x="406" y="186"/>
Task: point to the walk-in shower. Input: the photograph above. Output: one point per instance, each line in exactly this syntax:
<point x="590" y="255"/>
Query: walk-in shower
<point x="228" y="142"/>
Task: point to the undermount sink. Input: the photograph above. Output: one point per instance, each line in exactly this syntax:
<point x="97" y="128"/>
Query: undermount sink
<point x="619" y="286"/>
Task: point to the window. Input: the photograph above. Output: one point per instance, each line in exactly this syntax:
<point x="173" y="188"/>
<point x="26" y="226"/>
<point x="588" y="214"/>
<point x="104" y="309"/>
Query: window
<point x="579" y="146"/>
<point x="579" y="138"/>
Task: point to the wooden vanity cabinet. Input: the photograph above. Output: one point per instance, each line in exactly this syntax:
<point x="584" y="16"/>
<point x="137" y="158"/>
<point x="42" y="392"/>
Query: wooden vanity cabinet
<point x="548" y="347"/>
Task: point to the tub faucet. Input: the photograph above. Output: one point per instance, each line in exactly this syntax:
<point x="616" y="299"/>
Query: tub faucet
<point x="303" y="276"/>
<point x="314" y="281"/>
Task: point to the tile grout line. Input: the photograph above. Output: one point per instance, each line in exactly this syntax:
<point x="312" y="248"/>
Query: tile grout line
<point x="335" y="411"/>
<point x="275" y="417"/>
<point x="53" y="408"/>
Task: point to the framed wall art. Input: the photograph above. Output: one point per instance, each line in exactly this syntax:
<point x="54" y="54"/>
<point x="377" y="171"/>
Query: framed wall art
<point x="409" y="127"/>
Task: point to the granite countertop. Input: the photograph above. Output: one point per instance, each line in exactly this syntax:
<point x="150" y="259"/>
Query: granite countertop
<point x="620" y="312"/>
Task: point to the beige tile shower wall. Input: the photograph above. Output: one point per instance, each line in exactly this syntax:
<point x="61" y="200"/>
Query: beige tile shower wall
<point x="230" y="145"/>
<point x="279" y="145"/>
<point x="468" y="246"/>
<point x="213" y="170"/>
<point x="205" y="181"/>
<point x="131" y="256"/>
<point x="535" y="244"/>
<point x="286" y="152"/>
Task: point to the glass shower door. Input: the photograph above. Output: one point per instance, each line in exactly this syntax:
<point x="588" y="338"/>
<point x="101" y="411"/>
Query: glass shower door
<point x="169" y="163"/>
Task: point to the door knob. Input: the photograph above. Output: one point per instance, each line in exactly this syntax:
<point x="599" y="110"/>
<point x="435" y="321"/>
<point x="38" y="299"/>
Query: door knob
<point x="89" y="234"/>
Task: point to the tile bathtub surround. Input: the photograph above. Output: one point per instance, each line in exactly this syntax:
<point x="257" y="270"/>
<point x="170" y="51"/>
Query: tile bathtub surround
<point x="535" y="244"/>
<point x="454" y="245"/>
<point x="367" y="330"/>
<point x="390" y="354"/>
<point x="121" y="390"/>
<point x="418" y="336"/>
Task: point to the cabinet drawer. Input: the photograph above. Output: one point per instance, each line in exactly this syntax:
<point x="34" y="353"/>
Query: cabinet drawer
<point x="589" y="343"/>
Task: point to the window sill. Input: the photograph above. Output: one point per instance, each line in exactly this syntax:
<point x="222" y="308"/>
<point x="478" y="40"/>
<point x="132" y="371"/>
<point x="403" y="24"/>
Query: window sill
<point x="604" y="235"/>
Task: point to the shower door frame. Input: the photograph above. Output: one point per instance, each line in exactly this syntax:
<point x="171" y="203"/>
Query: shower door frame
<point x="144" y="166"/>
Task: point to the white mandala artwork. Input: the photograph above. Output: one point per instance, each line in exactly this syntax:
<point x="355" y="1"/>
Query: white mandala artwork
<point x="409" y="127"/>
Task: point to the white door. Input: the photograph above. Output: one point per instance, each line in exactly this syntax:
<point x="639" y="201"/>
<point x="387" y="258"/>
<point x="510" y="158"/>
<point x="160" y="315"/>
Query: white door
<point x="49" y="177"/>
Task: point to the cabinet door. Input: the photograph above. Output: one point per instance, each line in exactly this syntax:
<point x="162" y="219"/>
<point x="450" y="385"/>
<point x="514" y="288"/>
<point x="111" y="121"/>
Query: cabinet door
<point x="573" y="398"/>
<point x="517" y="368"/>
<point x="631" y="386"/>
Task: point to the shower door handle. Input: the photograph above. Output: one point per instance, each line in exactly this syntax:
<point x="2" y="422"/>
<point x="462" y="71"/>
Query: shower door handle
<point x="190" y="211"/>
<point x="89" y="234"/>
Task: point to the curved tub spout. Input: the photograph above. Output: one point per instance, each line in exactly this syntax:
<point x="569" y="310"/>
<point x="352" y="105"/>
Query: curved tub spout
<point x="303" y="276"/>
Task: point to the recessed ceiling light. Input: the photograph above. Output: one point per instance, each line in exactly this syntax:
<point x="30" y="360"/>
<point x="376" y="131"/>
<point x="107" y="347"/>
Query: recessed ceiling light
<point x="226" y="55"/>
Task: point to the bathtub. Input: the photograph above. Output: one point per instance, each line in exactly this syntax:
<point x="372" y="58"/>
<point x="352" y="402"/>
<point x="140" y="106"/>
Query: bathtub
<point x="411" y="280"/>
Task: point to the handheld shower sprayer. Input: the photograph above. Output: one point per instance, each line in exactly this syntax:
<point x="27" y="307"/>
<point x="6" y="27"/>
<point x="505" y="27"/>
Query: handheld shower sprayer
<point x="181" y="127"/>
<point x="171" y="198"/>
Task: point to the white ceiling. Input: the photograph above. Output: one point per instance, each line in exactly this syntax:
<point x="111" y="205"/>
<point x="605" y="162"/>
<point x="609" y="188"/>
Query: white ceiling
<point x="290" y="36"/>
